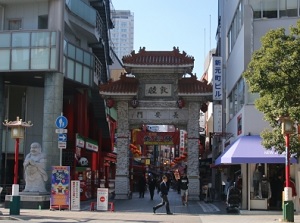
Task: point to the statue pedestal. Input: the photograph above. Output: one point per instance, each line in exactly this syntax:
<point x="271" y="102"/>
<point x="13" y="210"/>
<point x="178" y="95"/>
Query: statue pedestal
<point x="30" y="200"/>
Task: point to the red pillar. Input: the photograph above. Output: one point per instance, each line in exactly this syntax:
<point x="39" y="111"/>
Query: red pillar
<point x="287" y="161"/>
<point x="16" y="167"/>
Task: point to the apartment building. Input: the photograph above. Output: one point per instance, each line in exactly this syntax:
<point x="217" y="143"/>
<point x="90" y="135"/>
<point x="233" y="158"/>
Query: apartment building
<point x="122" y="35"/>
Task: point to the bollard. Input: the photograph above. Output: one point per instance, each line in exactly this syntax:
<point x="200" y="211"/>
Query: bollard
<point x="288" y="211"/>
<point x="14" y="206"/>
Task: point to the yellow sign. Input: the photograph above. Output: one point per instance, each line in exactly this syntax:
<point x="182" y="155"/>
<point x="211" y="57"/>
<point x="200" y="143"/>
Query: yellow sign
<point x="147" y="161"/>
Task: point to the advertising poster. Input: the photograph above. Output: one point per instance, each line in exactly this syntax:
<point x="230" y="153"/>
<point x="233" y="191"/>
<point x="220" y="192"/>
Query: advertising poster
<point x="75" y="195"/>
<point x="60" y="186"/>
<point x="102" y="199"/>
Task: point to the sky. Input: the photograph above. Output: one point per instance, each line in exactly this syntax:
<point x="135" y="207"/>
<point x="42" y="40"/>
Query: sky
<point x="159" y="25"/>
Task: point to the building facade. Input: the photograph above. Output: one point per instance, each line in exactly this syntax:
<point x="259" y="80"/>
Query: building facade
<point x="122" y="35"/>
<point x="54" y="54"/>
<point x="241" y="25"/>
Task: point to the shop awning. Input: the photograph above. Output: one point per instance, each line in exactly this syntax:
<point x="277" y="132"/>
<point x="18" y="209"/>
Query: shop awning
<point x="248" y="149"/>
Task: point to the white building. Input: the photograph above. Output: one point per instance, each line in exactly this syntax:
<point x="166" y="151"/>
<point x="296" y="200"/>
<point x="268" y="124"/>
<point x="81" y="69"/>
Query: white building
<point x="123" y="33"/>
<point x="241" y="25"/>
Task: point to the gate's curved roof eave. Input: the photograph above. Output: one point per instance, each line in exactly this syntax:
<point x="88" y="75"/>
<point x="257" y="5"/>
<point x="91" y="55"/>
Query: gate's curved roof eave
<point x="158" y="59"/>
<point x="128" y="85"/>
<point x="124" y="86"/>
<point x="190" y="86"/>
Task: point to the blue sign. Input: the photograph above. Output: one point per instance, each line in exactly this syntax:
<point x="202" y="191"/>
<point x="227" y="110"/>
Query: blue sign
<point x="61" y="122"/>
<point x="62" y="137"/>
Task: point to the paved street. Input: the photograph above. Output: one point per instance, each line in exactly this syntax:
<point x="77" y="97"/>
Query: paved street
<point x="140" y="210"/>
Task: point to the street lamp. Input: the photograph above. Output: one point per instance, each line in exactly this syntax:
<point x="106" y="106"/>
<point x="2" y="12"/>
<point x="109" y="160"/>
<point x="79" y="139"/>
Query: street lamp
<point x="17" y="132"/>
<point x="287" y="128"/>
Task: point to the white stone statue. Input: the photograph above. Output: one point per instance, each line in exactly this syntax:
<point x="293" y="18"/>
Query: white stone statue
<point x="34" y="167"/>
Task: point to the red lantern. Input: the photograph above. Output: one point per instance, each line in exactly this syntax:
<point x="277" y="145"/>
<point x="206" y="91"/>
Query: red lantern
<point x="110" y="102"/>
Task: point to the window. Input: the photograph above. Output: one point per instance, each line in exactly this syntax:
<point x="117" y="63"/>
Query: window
<point x="235" y="26"/>
<point x="256" y="6"/>
<point x="269" y="8"/>
<point x="43" y="22"/>
<point x="15" y="24"/>
<point x="236" y="98"/>
<point x="274" y="8"/>
<point x="288" y="8"/>
<point x="241" y="93"/>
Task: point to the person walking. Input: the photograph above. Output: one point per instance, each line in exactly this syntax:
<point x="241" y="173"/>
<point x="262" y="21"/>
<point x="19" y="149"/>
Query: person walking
<point x="184" y="185"/>
<point x="142" y="185"/>
<point x="151" y="185"/>
<point x="164" y="189"/>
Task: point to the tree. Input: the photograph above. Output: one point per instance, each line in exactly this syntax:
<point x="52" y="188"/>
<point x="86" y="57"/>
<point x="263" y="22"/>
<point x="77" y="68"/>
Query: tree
<point x="274" y="73"/>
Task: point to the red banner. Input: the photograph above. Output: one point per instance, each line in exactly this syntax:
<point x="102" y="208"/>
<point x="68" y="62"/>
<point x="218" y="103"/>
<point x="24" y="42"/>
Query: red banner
<point x="157" y="138"/>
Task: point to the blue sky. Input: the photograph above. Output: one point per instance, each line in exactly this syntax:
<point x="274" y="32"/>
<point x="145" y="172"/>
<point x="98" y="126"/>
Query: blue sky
<point x="160" y="25"/>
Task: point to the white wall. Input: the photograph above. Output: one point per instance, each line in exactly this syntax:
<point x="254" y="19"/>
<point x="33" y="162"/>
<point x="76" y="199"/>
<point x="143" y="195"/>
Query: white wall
<point x="261" y="27"/>
<point x="235" y="63"/>
<point x="28" y="12"/>
<point x="252" y="122"/>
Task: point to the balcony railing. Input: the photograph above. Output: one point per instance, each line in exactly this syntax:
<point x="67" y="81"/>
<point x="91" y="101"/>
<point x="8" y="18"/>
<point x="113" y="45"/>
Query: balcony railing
<point x="86" y="14"/>
<point x="84" y="11"/>
<point x="29" y="50"/>
<point x="81" y="65"/>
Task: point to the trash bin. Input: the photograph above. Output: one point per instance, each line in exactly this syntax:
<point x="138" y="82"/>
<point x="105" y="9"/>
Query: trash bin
<point x="14" y="206"/>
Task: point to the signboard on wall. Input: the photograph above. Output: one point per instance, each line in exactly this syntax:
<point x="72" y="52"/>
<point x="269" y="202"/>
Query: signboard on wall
<point x="158" y="90"/>
<point x="217" y="118"/>
<point x="91" y="145"/>
<point x="79" y="141"/>
<point x="217" y="79"/>
<point x="158" y="138"/>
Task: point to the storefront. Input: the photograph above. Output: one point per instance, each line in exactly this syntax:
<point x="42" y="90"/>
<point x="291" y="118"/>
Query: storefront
<point x="260" y="170"/>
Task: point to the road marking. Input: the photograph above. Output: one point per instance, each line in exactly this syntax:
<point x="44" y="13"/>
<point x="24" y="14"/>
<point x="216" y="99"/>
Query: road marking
<point x="208" y="207"/>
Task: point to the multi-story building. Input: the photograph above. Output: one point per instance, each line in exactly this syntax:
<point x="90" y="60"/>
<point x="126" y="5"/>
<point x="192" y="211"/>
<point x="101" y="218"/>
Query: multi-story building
<point x="241" y="25"/>
<point x="54" y="54"/>
<point x="122" y="35"/>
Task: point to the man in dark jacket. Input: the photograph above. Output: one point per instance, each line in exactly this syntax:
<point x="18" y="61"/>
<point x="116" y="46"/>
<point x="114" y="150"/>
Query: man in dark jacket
<point x="151" y="184"/>
<point x="164" y="189"/>
<point x="142" y="185"/>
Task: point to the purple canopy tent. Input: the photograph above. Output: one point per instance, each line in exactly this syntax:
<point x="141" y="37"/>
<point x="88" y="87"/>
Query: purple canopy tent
<point x="248" y="149"/>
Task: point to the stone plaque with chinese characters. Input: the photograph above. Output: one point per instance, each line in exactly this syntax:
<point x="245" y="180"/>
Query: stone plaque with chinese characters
<point x="158" y="90"/>
<point x="158" y="114"/>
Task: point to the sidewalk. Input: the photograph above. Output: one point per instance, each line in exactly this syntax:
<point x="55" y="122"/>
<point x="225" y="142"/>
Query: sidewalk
<point x="140" y="210"/>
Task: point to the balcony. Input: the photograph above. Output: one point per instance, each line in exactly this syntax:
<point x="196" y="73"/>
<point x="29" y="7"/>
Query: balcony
<point x="84" y="18"/>
<point x="81" y="66"/>
<point x="29" y="50"/>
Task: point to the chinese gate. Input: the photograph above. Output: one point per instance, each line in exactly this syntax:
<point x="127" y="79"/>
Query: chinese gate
<point x="158" y="89"/>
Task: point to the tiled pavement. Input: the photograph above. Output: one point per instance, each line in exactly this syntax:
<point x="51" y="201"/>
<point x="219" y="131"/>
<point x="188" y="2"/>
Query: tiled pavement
<point x="140" y="210"/>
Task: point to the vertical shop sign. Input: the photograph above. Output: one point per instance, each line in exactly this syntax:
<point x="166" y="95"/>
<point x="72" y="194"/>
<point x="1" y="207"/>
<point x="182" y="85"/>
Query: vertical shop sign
<point x="217" y="118"/>
<point x="60" y="186"/>
<point x="102" y="199"/>
<point x="75" y="195"/>
<point x="217" y="79"/>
